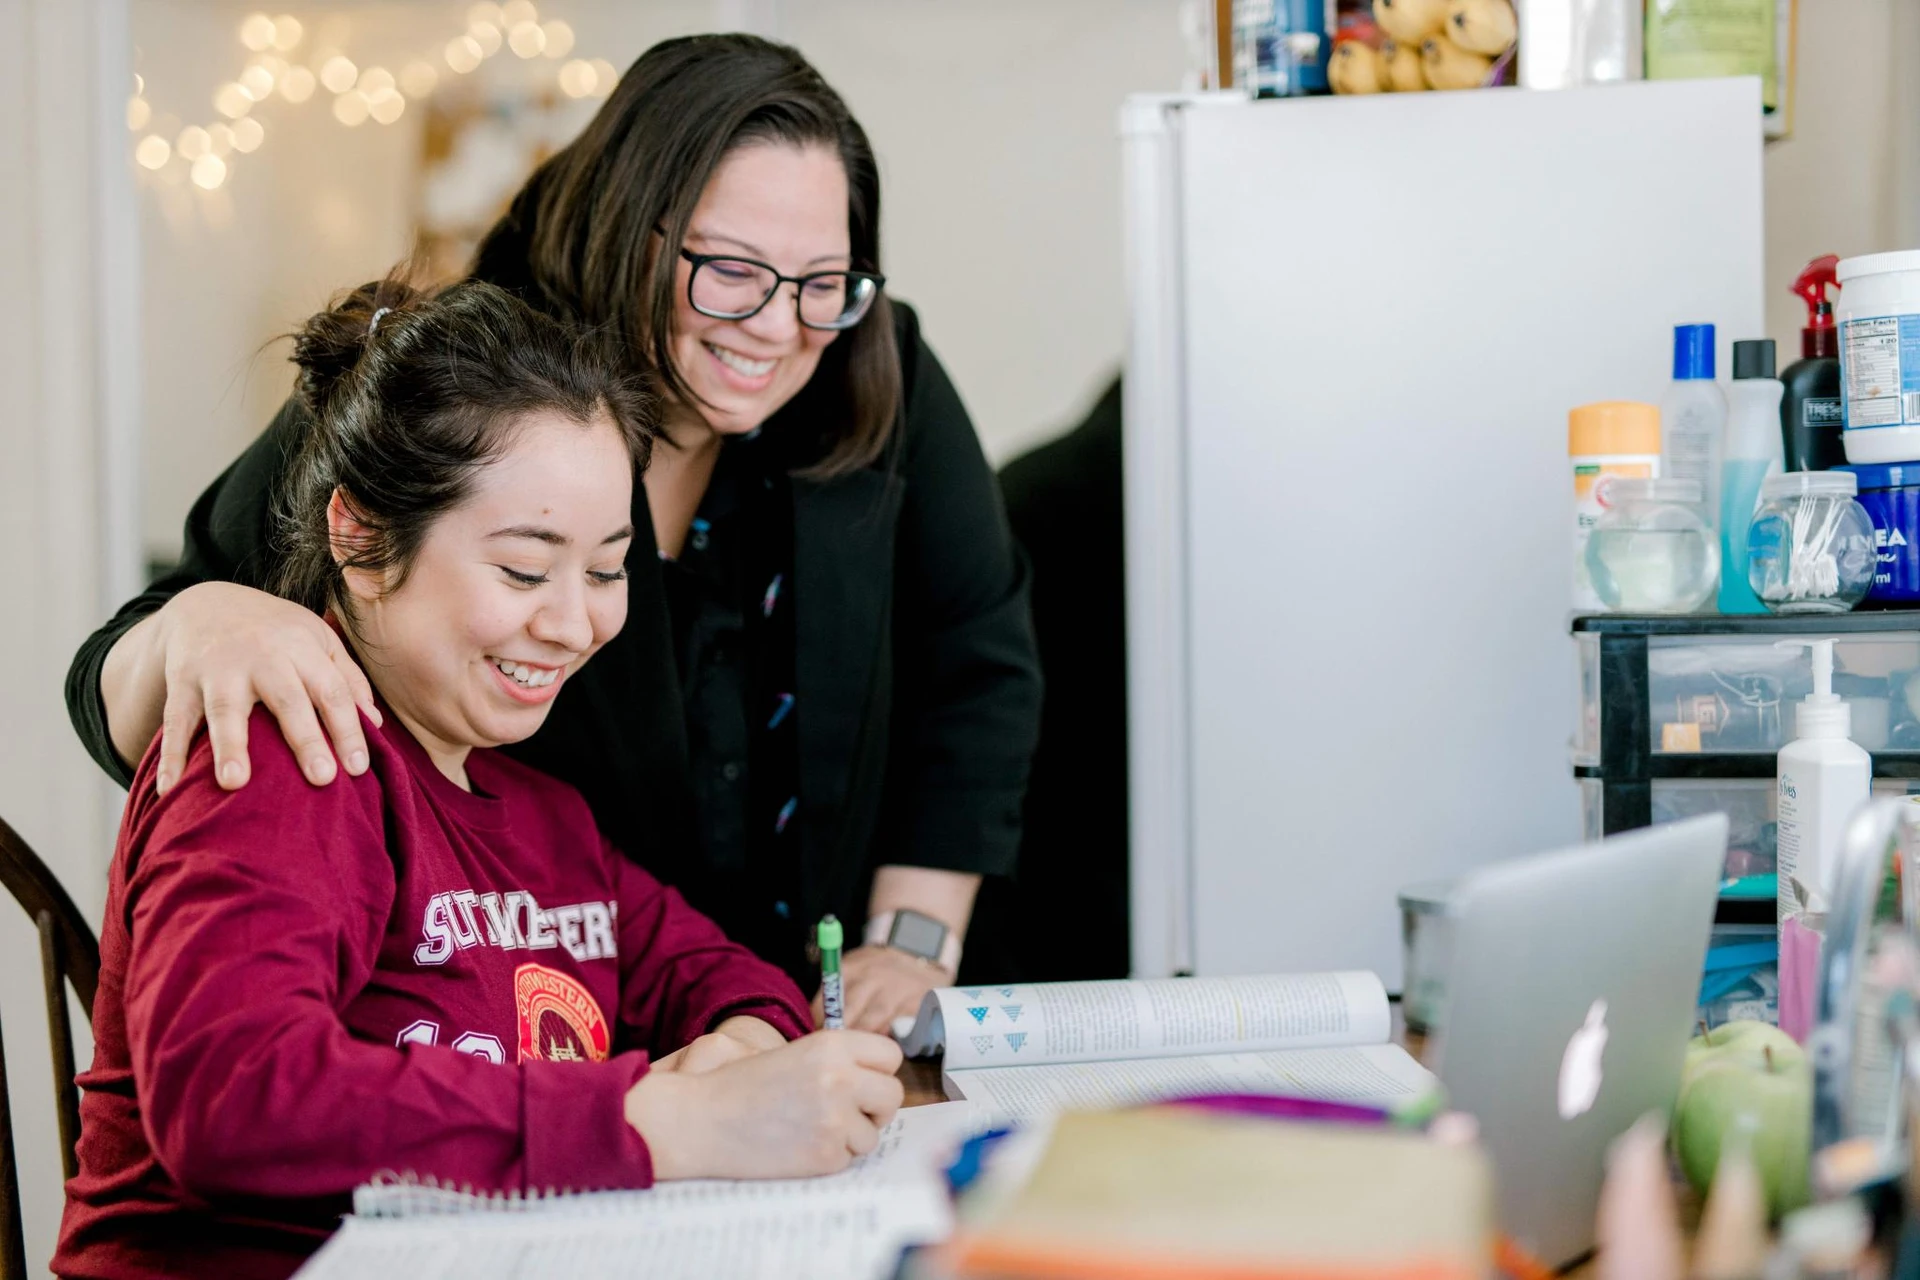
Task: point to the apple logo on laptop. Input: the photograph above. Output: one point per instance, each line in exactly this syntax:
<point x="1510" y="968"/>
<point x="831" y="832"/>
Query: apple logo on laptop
<point x="1580" y="1065"/>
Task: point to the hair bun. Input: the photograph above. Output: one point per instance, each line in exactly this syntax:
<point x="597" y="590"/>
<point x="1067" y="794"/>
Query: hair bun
<point x="329" y="346"/>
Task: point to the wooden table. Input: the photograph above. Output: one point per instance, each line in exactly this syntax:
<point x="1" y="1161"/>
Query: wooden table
<point x="921" y="1076"/>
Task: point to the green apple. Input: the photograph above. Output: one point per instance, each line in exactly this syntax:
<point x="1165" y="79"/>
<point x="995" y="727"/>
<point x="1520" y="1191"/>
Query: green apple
<point x="1748" y="1041"/>
<point x="1742" y="1079"/>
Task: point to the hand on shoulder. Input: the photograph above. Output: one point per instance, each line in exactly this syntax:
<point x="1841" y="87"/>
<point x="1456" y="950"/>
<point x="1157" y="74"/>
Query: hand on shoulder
<point x="226" y="648"/>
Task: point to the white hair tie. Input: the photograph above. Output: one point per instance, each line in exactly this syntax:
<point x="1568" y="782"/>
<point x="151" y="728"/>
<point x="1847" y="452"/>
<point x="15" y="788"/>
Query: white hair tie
<point x="375" y="322"/>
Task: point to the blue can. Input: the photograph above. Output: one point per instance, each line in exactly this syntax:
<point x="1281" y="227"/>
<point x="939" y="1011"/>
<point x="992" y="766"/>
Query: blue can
<point x="1280" y="47"/>
<point x="1891" y="494"/>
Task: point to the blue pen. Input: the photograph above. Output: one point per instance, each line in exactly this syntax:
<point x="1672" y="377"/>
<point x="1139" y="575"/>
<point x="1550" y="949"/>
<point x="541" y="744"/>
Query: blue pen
<point x="970" y="1162"/>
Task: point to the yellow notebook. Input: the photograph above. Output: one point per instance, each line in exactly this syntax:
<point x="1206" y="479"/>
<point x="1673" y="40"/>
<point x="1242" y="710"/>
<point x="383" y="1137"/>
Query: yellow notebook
<point x="1139" y="1195"/>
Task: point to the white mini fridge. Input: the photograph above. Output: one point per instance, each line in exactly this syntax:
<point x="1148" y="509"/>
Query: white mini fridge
<point x="1356" y="327"/>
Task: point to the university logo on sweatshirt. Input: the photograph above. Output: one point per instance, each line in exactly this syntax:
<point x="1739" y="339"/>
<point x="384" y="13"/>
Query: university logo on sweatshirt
<point x="560" y="1021"/>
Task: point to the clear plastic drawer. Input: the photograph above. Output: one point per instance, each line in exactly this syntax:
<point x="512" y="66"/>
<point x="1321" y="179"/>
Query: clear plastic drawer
<point x="1586" y="731"/>
<point x="1593" y="809"/>
<point x="1749" y="803"/>
<point x="1738" y="694"/>
<point x="1752" y="835"/>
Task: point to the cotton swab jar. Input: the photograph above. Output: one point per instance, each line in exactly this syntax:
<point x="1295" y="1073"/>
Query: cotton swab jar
<point x="1810" y="548"/>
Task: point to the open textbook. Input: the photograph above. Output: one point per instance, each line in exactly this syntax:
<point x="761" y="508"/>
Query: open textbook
<point x="1029" y="1050"/>
<point x="844" y="1226"/>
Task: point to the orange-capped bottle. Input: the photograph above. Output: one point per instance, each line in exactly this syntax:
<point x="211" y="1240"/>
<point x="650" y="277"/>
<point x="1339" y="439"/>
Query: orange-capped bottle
<point x="1608" y="441"/>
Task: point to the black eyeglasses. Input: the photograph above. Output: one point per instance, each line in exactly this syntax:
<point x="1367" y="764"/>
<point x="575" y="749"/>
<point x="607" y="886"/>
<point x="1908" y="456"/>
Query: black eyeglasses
<point x="730" y="288"/>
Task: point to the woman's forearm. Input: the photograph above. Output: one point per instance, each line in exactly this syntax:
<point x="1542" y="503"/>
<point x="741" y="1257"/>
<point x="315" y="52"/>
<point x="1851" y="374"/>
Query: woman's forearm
<point x="947" y="896"/>
<point x="133" y="688"/>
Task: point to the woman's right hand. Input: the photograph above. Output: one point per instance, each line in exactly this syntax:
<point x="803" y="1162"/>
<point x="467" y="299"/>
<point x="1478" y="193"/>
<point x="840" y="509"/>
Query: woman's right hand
<point x="224" y="647"/>
<point x="806" y="1108"/>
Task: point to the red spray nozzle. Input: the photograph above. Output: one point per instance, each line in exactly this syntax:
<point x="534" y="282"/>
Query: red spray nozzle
<point x="1812" y="285"/>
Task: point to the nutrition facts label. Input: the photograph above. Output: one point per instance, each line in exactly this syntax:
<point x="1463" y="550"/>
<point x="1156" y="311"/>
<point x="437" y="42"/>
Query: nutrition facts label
<point x="1881" y="358"/>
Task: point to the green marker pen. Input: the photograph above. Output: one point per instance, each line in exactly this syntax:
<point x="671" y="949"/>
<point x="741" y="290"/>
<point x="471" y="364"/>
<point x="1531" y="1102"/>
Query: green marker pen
<point x="829" y="939"/>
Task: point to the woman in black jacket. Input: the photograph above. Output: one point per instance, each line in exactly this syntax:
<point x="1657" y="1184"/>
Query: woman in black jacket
<point x="826" y="696"/>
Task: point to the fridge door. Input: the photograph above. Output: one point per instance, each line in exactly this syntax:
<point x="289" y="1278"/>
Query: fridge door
<point x="1384" y="308"/>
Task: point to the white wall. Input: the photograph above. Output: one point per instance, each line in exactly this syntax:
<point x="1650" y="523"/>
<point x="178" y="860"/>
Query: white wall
<point x="996" y="124"/>
<point x="318" y="208"/>
<point x="65" y="243"/>
<point x="1844" y="182"/>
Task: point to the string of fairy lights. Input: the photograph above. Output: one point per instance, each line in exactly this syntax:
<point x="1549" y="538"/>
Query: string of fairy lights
<point x="281" y="61"/>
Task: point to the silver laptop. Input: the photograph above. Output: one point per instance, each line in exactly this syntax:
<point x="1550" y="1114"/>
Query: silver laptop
<point x="1570" y="995"/>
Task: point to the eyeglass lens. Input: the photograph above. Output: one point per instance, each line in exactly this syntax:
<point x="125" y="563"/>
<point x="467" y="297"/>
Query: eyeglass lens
<point x="733" y="288"/>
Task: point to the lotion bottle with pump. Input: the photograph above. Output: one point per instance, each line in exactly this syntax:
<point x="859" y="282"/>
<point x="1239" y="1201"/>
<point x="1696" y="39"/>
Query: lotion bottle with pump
<point x="1824" y="778"/>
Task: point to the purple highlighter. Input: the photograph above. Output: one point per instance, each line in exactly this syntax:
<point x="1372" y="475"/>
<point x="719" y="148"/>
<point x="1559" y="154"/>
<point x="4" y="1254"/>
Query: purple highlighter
<point x="1275" y="1107"/>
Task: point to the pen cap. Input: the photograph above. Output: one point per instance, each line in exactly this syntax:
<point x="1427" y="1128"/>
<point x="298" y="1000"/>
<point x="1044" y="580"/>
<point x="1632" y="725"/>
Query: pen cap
<point x="829" y="936"/>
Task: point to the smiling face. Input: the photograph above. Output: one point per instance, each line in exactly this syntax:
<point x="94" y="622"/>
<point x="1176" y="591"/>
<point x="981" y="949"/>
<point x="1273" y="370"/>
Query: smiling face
<point x="785" y="206"/>
<point x="511" y="592"/>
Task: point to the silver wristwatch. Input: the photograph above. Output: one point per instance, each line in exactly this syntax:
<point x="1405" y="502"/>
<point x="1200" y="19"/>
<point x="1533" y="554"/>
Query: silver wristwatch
<point x="917" y="935"/>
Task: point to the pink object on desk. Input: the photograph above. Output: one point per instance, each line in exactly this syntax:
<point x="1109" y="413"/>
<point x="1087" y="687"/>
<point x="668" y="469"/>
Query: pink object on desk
<point x="1799" y="977"/>
<point x="1276" y="1107"/>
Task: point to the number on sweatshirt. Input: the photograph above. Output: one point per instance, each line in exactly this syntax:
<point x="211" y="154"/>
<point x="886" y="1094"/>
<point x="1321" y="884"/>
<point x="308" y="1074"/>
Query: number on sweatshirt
<point x="480" y="1045"/>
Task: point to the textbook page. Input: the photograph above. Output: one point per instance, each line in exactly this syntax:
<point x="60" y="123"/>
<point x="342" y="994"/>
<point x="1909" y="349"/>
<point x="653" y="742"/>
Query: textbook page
<point x="852" y="1234"/>
<point x="916" y="1145"/>
<point x="1148" y="1018"/>
<point x="1372" y="1075"/>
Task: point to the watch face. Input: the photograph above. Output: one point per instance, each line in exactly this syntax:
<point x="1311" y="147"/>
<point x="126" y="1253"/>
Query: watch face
<point x="921" y="935"/>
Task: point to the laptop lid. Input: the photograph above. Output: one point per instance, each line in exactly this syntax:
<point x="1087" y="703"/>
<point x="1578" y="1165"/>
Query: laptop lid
<point x="1571" y="991"/>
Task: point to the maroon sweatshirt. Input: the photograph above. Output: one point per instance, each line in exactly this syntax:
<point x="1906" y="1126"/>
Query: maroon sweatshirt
<point x="304" y="987"/>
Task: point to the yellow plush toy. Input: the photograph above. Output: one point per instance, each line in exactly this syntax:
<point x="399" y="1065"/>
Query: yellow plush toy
<point x="1410" y="21"/>
<point x="1402" y="62"/>
<point x="1448" y="66"/>
<point x="1481" y="26"/>
<point x="1356" y="68"/>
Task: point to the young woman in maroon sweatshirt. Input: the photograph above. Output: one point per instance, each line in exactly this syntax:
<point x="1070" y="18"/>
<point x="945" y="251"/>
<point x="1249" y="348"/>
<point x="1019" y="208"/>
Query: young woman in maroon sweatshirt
<point x="438" y="968"/>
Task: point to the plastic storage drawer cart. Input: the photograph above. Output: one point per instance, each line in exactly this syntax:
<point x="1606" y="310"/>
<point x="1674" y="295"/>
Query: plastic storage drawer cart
<point x="1683" y="715"/>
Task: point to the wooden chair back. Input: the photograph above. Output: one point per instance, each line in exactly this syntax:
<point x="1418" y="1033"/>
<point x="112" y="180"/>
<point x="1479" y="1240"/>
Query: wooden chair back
<point x="69" y="956"/>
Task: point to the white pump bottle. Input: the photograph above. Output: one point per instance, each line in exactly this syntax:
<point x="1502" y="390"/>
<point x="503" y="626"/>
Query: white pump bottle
<point x="1824" y="778"/>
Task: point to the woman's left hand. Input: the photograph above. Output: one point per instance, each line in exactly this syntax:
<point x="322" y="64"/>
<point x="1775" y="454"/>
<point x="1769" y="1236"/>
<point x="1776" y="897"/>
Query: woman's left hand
<point x="883" y="983"/>
<point x="738" y="1037"/>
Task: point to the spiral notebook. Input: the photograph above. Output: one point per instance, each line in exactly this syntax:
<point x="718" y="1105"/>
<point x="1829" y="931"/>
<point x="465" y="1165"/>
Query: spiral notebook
<point x="845" y="1226"/>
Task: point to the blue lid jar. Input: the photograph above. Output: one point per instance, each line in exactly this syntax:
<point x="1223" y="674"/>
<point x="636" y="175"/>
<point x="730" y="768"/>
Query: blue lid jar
<point x="1884" y="475"/>
<point x="1890" y="492"/>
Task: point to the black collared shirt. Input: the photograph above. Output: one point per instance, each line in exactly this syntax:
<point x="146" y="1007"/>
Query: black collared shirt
<point x="730" y="610"/>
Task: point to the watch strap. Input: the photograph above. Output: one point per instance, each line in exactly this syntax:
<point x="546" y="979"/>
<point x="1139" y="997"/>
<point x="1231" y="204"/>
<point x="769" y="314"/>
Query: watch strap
<point x="879" y="933"/>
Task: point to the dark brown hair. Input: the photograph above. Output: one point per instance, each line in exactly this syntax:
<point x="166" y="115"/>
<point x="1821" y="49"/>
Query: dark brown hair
<point x="578" y="240"/>
<point x="409" y="393"/>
